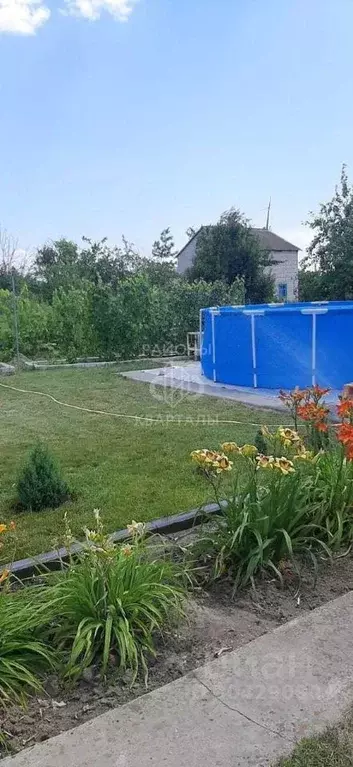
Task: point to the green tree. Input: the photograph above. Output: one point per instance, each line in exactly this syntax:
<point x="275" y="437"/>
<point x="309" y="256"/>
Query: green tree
<point x="71" y="326"/>
<point x="98" y="262"/>
<point x="330" y="253"/>
<point x="63" y="265"/>
<point x="40" y="485"/>
<point x="310" y="287"/>
<point x="164" y="248"/>
<point x="227" y="251"/>
<point x="160" y="269"/>
<point x="34" y="321"/>
<point x="56" y="266"/>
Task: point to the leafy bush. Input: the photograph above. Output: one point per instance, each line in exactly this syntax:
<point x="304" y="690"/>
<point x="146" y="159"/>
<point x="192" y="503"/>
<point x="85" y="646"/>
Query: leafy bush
<point x="131" y="316"/>
<point x="34" y="319"/>
<point x="333" y="492"/>
<point x="24" y="656"/>
<point x="269" y="518"/>
<point x="40" y="485"/>
<point x="112" y="601"/>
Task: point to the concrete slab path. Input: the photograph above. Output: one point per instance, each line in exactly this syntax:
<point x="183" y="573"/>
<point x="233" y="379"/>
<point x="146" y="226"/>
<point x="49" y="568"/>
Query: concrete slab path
<point x="246" y="708"/>
<point x="188" y="377"/>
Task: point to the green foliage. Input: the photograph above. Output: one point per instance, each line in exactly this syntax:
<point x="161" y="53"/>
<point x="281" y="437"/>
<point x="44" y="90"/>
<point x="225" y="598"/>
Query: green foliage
<point x="113" y="601"/>
<point x="332" y="749"/>
<point x="6" y="325"/>
<point x="164" y="248"/>
<point x="34" y="318"/>
<point x="261" y="443"/>
<point x="40" y="485"/>
<point x="330" y="251"/>
<point x="24" y="656"/>
<point x="310" y="286"/>
<point x="333" y="493"/>
<point x="263" y="524"/>
<point x="229" y="250"/>
<point x="63" y="265"/>
<point x="107" y="302"/>
<point x="71" y="328"/>
<point x="279" y="506"/>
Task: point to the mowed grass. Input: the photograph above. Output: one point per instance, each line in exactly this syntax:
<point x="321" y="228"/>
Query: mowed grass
<point x="128" y="469"/>
<point x="332" y="749"/>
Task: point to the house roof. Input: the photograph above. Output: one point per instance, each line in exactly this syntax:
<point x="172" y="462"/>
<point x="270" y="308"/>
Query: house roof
<point x="268" y="240"/>
<point x="271" y="241"/>
<point x="188" y="242"/>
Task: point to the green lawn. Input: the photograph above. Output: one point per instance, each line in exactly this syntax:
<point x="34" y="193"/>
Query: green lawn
<point x="333" y="749"/>
<point x="130" y="470"/>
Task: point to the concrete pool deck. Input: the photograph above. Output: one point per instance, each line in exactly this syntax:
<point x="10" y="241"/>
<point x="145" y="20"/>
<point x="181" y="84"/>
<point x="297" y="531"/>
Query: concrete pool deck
<point x="188" y="377"/>
<point x="245" y="709"/>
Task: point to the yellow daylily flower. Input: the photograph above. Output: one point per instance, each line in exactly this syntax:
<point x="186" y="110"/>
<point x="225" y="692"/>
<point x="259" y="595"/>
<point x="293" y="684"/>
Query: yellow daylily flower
<point x="266" y="432"/>
<point x="222" y="463"/>
<point x="3" y="528"/>
<point x="304" y="455"/>
<point x="249" y="451"/>
<point x="203" y="456"/>
<point x="284" y="465"/>
<point x="136" y="528"/>
<point x="265" y="461"/>
<point x="288" y="437"/>
<point x="230" y="447"/>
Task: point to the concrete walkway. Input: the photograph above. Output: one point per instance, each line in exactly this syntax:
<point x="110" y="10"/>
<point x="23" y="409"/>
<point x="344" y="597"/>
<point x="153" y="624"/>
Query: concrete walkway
<point x="187" y="377"/>
<point x="246" y="708"/>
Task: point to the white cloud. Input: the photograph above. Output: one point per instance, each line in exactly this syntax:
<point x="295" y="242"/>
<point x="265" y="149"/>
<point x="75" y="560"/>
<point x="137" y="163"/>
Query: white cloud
<point x="22" y="17"/>
<point x="92" y="9"/>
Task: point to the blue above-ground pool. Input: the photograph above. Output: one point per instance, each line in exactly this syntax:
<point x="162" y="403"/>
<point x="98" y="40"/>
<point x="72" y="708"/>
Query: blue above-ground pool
<point x="278" y="346"/>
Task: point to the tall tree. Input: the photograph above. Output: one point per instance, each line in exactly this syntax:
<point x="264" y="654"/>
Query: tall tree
<point x="164" y="248"/>
<point x="56" y="266"/>
<point x="160" y="269"/>
<point x="229" y="250"/>
<point x="330" y="253"/>
<point x="62" y="264"/>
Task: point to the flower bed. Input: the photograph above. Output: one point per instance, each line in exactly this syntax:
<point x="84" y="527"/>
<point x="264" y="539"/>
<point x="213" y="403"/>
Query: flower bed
<point x="288" y="506"/>
<point x="289" y="502"/>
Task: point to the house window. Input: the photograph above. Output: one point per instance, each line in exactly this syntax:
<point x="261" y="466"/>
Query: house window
<point x="282" y="290"/>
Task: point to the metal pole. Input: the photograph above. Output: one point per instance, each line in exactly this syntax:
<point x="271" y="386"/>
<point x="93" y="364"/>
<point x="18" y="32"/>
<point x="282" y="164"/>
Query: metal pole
<point x="313" y="351"/>
<point x="200" y="336"/>
<point x="15" y="320"/>
<point x="253" y="349"/>
<point x="213" y="345"/>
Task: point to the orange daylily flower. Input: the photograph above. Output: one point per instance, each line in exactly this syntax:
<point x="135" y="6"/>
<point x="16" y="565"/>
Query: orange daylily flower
<point x="315" y="414"/>
<point x="345" y="408"/>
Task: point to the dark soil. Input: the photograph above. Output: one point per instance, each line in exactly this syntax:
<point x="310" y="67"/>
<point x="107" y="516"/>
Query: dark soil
<point x="215" y="624"/>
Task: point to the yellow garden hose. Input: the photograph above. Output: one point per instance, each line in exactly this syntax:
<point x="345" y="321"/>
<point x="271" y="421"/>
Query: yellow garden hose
<point x="148" y="419"/>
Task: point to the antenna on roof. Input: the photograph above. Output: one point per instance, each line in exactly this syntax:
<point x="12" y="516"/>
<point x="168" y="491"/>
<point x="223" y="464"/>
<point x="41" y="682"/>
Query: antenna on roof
<point x="268" y="215"/>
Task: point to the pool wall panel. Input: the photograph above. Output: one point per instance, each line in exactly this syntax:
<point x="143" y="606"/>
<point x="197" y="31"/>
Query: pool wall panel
<point x="279" y="346"/>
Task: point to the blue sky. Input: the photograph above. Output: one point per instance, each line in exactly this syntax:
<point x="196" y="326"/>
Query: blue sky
<point x="126" y="116"/>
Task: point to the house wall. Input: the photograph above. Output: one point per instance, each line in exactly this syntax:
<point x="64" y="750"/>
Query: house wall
<point x="286" y="271"/>
<point x="187" y="256"/>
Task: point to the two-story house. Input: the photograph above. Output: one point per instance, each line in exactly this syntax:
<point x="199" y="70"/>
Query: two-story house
<point x="283" y="253"/>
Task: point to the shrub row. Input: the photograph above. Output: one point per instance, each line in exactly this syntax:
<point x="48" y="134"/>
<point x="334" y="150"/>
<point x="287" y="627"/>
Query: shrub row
<point x="134" y="317"/>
